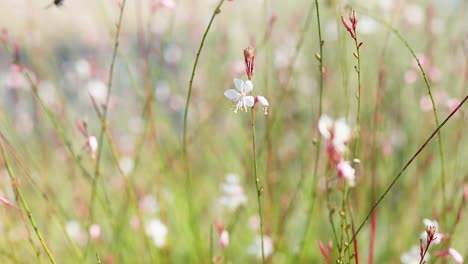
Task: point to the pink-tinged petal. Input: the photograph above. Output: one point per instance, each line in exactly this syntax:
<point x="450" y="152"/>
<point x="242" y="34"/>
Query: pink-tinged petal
<point x="92" y="144"/>
<point x="249" y="101"/>
<point x="232" y="94"/>
<point x="324" y="125"/>
<point x="7" y="202"/>
<point x="262" y="100"/>
<point x="455" y="255"/>
<point x="342" y="131"/>
<point x="224" y="239"/>
<point x="248" y="86"/>
<point x="239" y="84"/>
<point x="346" y="171"/>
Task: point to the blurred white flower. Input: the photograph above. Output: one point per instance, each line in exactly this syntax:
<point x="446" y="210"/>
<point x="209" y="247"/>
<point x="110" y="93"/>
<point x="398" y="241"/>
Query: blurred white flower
<point x="367" y="25"/>
<point x="98" y="90"/>
<point x="345" y="171"/>
<point x="92" y="144"/>
<point x="455" y="255"/>
<point x="83" y="69"/>
<point x="127" y="164"/>
<point x="414" y="14"/>
<point x="338" y="131"/>
<point x="157" y="231"/>
<point x="162" y="91"/>
<point x="240" y="96"/>
<point x="233" y="194"/>
<point x="46" y="91"/>
<point x="256" y="247"/>
<point x="95" y="231"/>
<point x="224" y="238"/>
<point x="412" y="256"/>
<point x="437" y="234"/>
<point x="264" y="102"/>
<point x="149" y="204"/>
<point x="173" y="54"/>
<point x="425" y="103"/>
<point x="75" y="232"/>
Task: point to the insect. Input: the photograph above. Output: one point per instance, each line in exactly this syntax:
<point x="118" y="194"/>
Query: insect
<point x="56" y="3"/>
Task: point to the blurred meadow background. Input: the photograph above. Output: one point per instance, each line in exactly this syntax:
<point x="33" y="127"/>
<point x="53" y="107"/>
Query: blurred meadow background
<point x="97" y="167"/>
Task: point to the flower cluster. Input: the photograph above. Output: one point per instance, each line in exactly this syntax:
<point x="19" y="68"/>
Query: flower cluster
<point x="233" y="193"/>
<point x="337" y="133"/>
<point x="430" y="236"/>
<point x="240" y="96"/>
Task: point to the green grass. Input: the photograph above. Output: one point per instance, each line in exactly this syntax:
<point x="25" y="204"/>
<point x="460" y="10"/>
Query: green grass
<point x="145" y="121"/>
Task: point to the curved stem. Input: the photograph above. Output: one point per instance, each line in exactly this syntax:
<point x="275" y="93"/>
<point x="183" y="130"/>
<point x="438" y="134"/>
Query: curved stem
<point x="14" y="183"/>
<point x="257" y="183"/>
<point x="188" y="184"/>
<point x="319" y="140"/>
<point x="423" y="146"/>
<point x="106" y="104"/>
<point x="434" y="109"/>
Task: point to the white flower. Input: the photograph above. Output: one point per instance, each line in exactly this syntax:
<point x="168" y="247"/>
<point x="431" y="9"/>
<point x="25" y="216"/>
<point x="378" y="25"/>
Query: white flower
<point x="157" y="231"/>
<point x="412" y="256"/>
<point x="455" y="255"/>
<point x="98" y="90"/>
<point x="74" y="231"/>
<point x="264" y="102"/>
<point x="256" y="247"/>
<point x="240" y="96"/>
<point x="338" y="131"/>
<point x="95" y="231"/>
<point x="233" y="193"/>
<point x="127" y="164"/>
<point x="437" y="235"/>
<point x="92" y="144"/>
<point x="346" y="171"/>
<point x="224" y="238"/>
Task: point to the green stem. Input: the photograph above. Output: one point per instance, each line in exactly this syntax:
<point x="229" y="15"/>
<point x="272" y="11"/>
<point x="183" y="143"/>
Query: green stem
<point x="109" y="90"/>
<point x="25" y="205"/>
<point x="319" y="139"/>
<point x="434" y="109"/>
<point x="420" y="149"/>
<point x="257" y="183"/>
<point x="188" y="184"/>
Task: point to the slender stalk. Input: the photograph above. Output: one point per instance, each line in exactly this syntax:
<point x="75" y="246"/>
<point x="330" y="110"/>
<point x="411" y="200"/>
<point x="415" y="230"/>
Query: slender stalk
<point x="257" y="183"/>
<point x="420" y="149"/>
<point x="24" y="204"/>
<point x="319" y="139"/>
<point x="373" y="146"/>
<point x="109" y="90"/>
<point x="128" y="183"/>
<point x="188" y="183"/>
<point x="358" y="95"/>
<point x="434" y="109"/>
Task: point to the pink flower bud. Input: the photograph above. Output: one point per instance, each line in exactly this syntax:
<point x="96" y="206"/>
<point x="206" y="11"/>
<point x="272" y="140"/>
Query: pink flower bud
<point x="249" y="59"/>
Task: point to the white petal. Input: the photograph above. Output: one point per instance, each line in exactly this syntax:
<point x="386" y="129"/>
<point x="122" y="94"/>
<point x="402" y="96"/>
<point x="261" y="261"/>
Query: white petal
<point x="239" y="84"/>
<point x="249" y="101"/>
<point x="262" y="100"/>
<point x="232" y="94"/>
<point x="456" y="255"/>
<point x="248" y="86"/>
<point x="324" y="125"/>
<point x="342" y="131"/>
